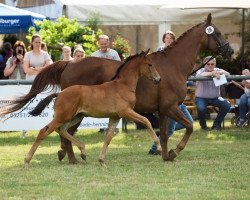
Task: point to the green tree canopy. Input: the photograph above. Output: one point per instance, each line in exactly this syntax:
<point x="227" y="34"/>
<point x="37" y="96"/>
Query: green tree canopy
<point x="63" y="32"/>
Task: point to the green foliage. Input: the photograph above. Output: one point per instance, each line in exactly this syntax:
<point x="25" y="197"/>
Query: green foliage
<point x="94" y="21"/>
<point x="122" y="47"/>
<point x="65" y="31"/>
<point x="85" y="36"/>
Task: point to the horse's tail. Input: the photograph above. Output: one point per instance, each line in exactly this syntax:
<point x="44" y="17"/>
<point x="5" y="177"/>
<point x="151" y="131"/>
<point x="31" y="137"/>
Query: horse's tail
<point x="48" y="77"/>
<point x="42" y="104"/>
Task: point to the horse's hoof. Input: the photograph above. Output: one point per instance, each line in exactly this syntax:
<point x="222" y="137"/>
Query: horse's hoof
<point x="83" y="156"/>
<point x="172" y="155"/>
<point x="61" y="154"/>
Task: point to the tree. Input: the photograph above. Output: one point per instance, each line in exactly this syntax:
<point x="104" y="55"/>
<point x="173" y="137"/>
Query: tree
<point x="65" y="31"/>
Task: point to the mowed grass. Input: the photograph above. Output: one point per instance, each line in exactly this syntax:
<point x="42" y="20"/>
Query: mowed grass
<point x="214" y="165"/>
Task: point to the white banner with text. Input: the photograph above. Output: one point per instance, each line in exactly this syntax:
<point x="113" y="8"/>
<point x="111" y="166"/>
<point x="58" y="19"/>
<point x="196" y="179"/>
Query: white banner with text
<point x="22" y="120"/>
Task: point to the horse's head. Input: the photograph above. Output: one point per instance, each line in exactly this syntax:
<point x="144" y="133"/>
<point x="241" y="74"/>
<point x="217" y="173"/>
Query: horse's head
<point x="214" y="41"/>
<point x="147" y="69"/>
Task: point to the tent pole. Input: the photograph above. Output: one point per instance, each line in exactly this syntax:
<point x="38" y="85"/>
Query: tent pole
<point x="243" y="32"/>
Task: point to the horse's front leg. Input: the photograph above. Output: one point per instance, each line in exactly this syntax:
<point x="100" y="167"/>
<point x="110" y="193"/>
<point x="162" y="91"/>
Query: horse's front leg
<point x="176" y="114"/>
<point x="44" y="132"/>
<point x="107" y="138"/>
<point x="163" y="121"/>
<point x="132" y="115"/>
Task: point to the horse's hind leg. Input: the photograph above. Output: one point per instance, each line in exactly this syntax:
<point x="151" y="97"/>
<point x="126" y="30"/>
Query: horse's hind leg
<point x="107" y="138"/>
<point x="44" y="132"/>
<point x="66" y="146"/>
<point x="63" y="132"/>
<point x="132" y="115"/>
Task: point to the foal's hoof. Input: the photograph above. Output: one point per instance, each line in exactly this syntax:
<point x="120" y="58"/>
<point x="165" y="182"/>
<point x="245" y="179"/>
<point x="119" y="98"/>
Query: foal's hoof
<point x="172" y="155"/>
<point x="61" y="154"/>
<point x="102" y="163"/>
<point x="83" y="156"/>
<point x="26" y="165"/>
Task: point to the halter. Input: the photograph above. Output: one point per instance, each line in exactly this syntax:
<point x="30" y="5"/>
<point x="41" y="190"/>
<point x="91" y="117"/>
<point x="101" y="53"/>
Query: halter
<point x="221" y="48"/>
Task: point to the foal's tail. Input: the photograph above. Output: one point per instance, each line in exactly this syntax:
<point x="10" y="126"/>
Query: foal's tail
<point x="42" y="104"/>
<point x="48" y="77"/>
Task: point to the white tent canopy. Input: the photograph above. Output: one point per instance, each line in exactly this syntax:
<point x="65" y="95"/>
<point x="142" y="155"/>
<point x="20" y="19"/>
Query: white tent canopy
<point x="148" y="12"/>
<point x="162" y="13"/>
<point x="184" y="4"/>
<point x="139" y="12"/>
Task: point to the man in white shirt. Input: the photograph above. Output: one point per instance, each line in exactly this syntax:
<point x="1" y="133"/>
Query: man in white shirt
<point x="105" y="51"/>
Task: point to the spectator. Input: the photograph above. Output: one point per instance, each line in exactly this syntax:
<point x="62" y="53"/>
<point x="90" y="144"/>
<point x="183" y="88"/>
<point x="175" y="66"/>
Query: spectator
<point x="36" y="59"/>
<point x="78" y="46"/>
<point x="7" y="52"/>
<point x="78" y="54"/>
<point x="104" y="50"/>
<point x="2" y="66"/>
<point x="208" y="94"/>
<point x="66" y="53"/>
<point x="14" y="65"/>
<point x="44" y="47"/>
<point x="244" y="105"/>
<point x="168" y="38"/>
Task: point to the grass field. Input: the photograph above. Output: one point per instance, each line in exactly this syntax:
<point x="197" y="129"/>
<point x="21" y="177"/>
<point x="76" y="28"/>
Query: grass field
<point x="214" y="165"/>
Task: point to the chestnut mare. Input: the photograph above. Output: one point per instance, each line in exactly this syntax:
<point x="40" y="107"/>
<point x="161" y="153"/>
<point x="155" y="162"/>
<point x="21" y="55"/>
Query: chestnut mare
<point x="173" y="64"/>
<point x="114" y="99"/>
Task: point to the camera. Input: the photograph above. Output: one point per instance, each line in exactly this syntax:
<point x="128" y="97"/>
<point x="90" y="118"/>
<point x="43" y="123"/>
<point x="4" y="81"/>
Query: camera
<point x="19" y="51"/>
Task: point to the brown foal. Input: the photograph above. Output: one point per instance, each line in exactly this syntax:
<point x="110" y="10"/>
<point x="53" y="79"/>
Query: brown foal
<point x="114" y="99"/>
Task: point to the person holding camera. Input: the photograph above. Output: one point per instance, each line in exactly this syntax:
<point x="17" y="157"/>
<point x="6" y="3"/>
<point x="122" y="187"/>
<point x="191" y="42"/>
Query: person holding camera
<point x="14" y="65"/>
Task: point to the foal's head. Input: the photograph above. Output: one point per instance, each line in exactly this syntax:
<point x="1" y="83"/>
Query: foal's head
<point x="142" y="64"/>
<point x="147" y="69"/>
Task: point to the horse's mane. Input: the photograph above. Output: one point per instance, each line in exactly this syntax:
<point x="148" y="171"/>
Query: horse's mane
<point x="123" y="64"/>
<point x="166" y="50"/>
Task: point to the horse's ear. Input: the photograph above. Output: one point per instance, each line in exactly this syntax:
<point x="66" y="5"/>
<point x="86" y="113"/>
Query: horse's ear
<point x="209" y="19"/>
<point x="146" y="52"/>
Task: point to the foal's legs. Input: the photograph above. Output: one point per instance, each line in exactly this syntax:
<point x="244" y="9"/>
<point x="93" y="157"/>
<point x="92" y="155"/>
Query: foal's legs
<point x="107" y="138"/>
<point x="64" y="133"/>
<point x="176" y="114"/>
<point x="66" y="146"/>
<point x="132" y="115"/>
<point x="44" y="132"/>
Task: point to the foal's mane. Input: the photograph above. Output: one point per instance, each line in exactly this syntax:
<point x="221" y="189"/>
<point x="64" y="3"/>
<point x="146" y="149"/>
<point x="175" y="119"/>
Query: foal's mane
<point x="166" y="50"/>
<point x="123" y="64"/>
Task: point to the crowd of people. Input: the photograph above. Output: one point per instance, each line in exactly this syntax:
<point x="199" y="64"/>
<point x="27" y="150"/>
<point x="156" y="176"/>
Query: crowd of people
<point x="18" y="63"/>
